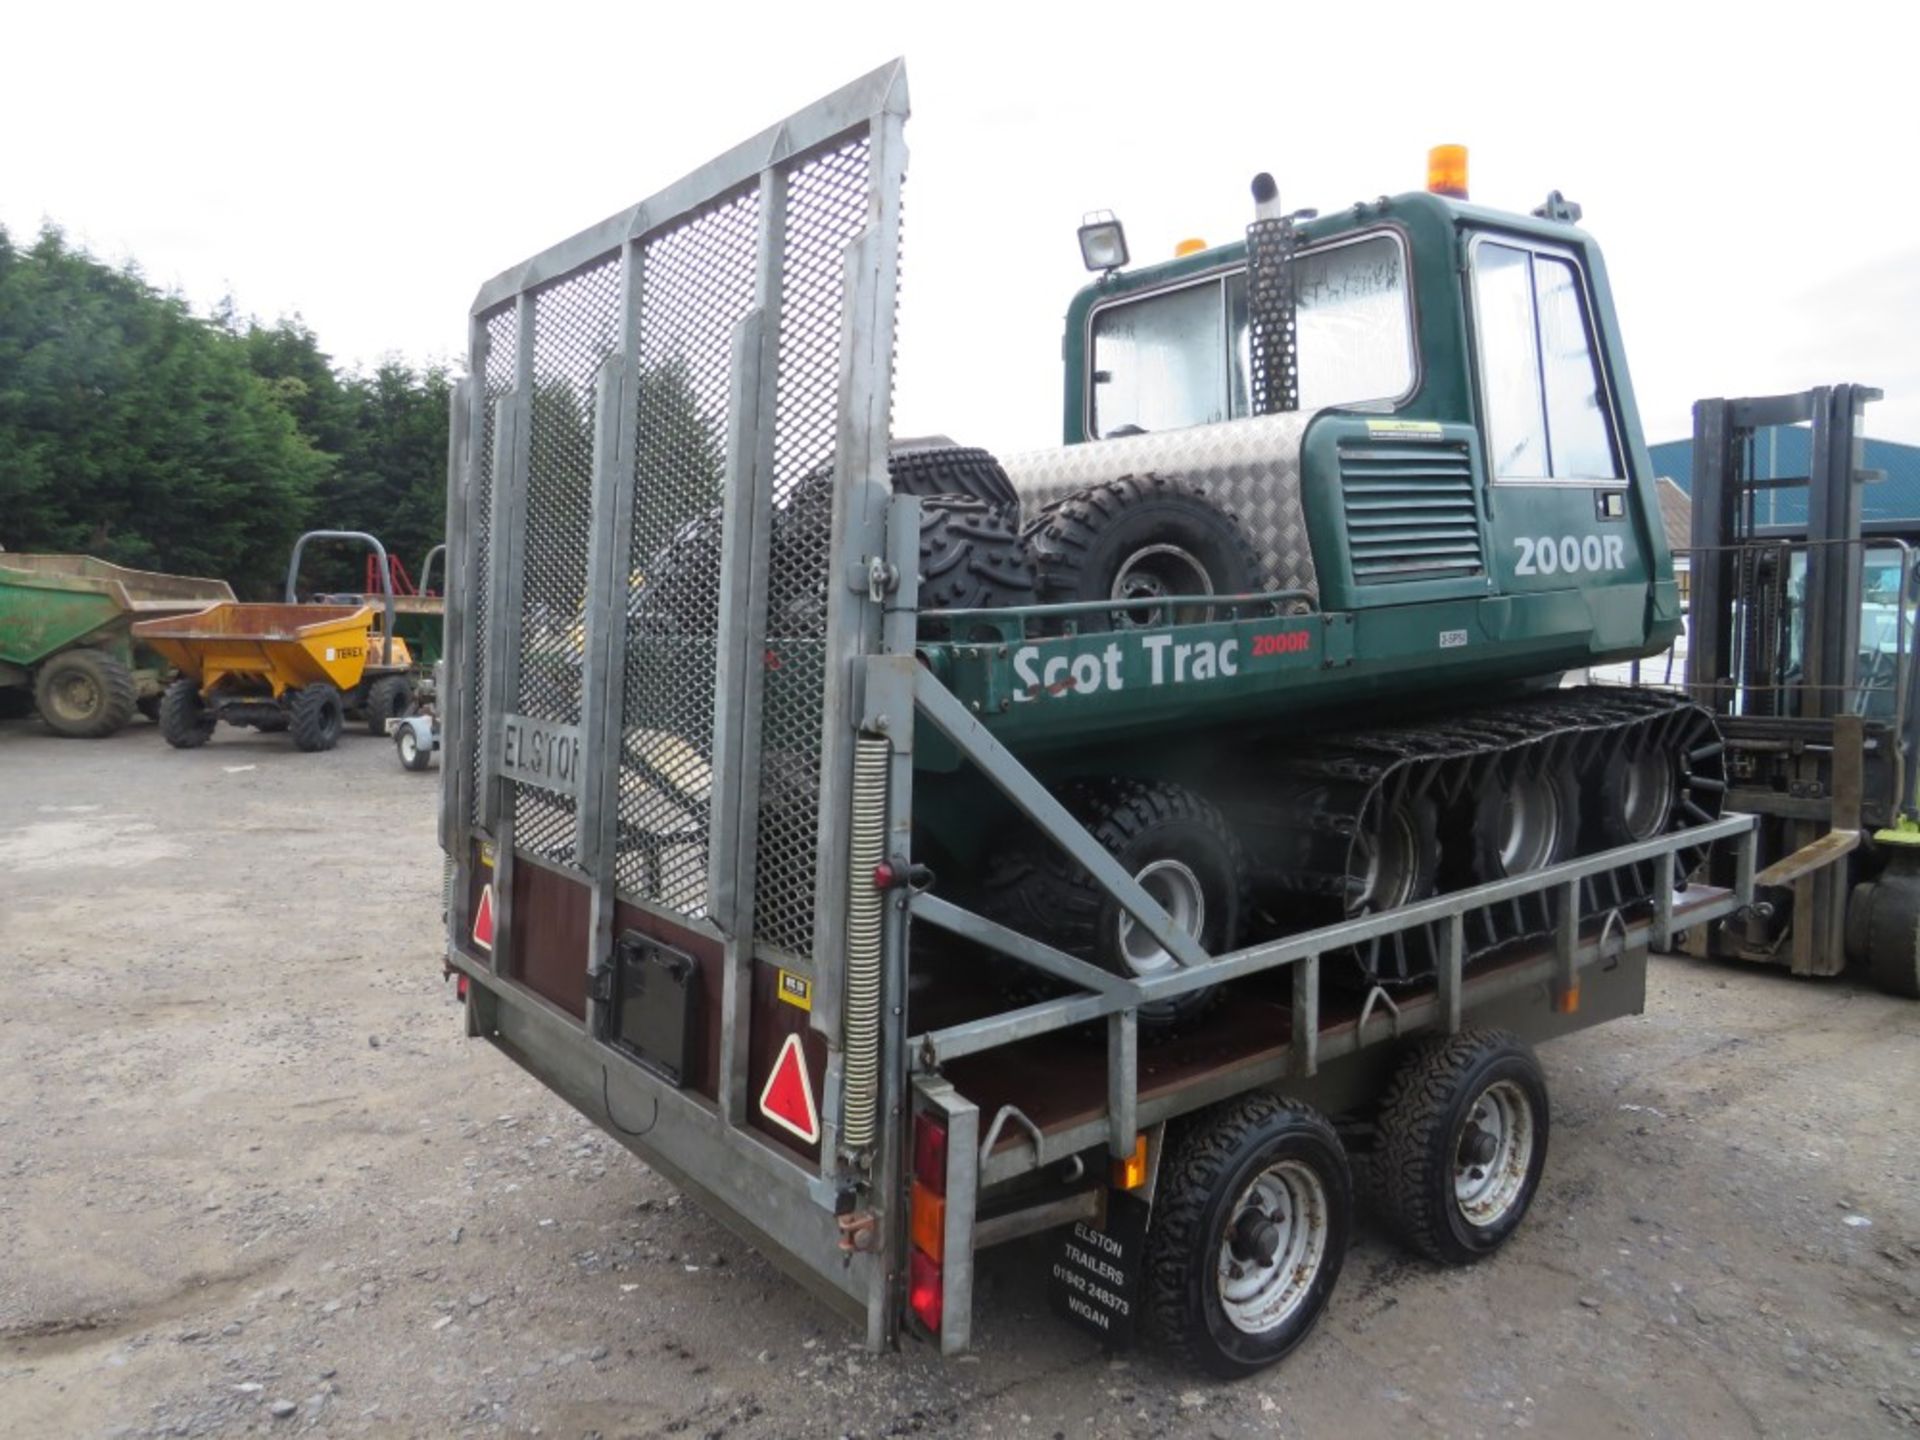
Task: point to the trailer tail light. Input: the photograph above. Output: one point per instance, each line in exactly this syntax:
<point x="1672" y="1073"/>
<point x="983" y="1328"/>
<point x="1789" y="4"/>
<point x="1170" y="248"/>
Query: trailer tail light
<point x="1130" y="1173"/>
<point x="930" y="1153"/>
<point x="923" y="1291"/>
<point x="929" y="1222"/>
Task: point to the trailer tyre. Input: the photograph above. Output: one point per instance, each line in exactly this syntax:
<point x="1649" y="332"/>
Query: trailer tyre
<point x="390" y="697"/>
<point x="1462" y="1142"/>
<point x="1250" y="1229"/>
<point x="406" y="743"/>
<point x="1135" y="538"/>
<point x="317" y="717"/>
<point x="1174" y="843"/>
<point x="185" y="721"/>
<point x="85" y="694"/>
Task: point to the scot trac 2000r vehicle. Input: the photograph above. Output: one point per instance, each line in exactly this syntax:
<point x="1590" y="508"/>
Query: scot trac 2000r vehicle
<point x="876" y="863"/>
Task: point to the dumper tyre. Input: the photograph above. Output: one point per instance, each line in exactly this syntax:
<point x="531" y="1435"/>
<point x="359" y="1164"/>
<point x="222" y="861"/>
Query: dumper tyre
<point x="952" y="470"/>
<point x="388" y="698"/>
<point x="1250" y="1229"/>
<point x="1177" y="845"/>
<point x="185" y="721"/>
<point x="971" y="557"/>
<point x="83" y="693"/>
<point x="1460" y="1145"/>
<point x="316" y="716"/>
<point x="1135" y="538"/>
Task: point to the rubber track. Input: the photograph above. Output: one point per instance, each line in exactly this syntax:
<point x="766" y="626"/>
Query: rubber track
<point x="1326" y="790"/>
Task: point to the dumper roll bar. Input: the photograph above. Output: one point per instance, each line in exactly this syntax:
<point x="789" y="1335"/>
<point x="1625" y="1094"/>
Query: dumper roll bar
<point x="386" y="578"/>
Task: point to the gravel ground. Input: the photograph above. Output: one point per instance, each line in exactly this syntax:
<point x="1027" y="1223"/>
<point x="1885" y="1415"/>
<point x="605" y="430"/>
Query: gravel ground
<point x="252" y="1180"/>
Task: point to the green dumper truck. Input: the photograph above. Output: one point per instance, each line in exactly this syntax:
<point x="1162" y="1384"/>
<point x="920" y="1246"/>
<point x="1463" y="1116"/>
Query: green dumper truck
<point x="65" y="636"/>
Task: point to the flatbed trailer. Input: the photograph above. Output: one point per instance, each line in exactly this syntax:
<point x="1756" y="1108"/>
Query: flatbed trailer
<point x="681" y="881"/>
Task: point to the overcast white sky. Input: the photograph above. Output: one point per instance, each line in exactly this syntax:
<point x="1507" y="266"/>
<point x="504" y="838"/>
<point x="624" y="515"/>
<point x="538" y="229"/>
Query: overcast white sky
<point x="1749" y="169"/>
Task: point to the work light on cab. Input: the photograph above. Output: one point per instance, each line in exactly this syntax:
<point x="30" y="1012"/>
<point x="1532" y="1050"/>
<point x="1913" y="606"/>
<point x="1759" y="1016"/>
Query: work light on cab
<point x="1103" y="241"/>
<point x="1447" y="171"/>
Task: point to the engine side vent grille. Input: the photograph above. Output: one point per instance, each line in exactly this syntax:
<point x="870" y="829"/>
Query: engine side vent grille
<point x="1411" y="512"/>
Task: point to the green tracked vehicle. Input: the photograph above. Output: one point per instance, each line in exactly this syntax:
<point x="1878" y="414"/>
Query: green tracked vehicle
<point x="1159" y="839"/>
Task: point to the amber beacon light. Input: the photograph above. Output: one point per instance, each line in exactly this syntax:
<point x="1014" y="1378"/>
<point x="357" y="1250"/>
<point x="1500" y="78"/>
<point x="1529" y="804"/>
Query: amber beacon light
<point x="1447" y="171"/>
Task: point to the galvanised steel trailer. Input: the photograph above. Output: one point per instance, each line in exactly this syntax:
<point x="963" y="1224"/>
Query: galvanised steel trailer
<point x="681" y="803"/>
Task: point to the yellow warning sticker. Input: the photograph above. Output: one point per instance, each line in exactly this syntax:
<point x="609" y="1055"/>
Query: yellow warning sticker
<point x="796" y="990"/>
<point x="1426" y="429"/>
<point x="486" y="853"/>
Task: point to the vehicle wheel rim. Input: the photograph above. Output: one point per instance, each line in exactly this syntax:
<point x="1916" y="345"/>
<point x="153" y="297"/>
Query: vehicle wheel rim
<point x="1153" y="571"/>
<point x="1648" y="799"/>
<point x="76" y="696"/>
<point x="1274" y="1246"/>
<point x="1493" y="1154"/>
<point x="1179" y="892"/>
<point x="1392" y="863"/>
<point x="408" y="746"/>
<point x="1529" y="825"/>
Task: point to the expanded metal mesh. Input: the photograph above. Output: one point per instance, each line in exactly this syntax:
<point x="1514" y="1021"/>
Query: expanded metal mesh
<point x="826" y="209"/>
<point x="696" y="283"/>
<point x="496" y="380"/>
<point x="576" y="325"/>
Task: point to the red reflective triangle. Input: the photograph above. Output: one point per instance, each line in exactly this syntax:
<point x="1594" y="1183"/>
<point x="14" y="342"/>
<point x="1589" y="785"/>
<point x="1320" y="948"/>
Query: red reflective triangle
<point x="787" y="1099"/>
<point x="483" y="920"/>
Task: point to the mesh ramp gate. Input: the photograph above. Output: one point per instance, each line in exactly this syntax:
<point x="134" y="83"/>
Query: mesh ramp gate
<point x="674" y="443"/>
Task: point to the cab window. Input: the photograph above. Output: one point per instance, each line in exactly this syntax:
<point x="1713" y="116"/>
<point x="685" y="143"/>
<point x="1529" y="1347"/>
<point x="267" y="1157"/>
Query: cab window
<point x="1540" y="377"/>
<point x="1180" y="357"/>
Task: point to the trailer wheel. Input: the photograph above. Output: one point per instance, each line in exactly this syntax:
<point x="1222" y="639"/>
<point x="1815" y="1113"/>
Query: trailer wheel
<point x="185" y="721"/>
<point x="1249" y="1231"/>
<point x="1175" y="844"/>
<point x="389" y="697"/>
<point x="952" y="470"/>
<point x="1462" y="1142"/>
<point x="1526" y="820"/>
<point x="83" y="693"/>
<point x="413" y="755"/>
<point x="316" y="717"/>
<point x="971" y="557"/>
<point x="1136" y="538"/>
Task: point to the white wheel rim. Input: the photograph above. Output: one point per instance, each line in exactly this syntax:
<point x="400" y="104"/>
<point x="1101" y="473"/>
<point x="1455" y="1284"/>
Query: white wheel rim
<point x="1392" y="861"/>
<point x="1529" y="825"/>
<point x="1648" y="800"/>
<point x="409" y="747"/>
<point x="1274" y="1246"/>
<point x="1179" y="892"/>
<point x="1493" y="1153"/>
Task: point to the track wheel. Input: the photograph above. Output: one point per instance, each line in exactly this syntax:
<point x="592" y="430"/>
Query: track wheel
<point x="1249" y="1232"/>
<point x="316" y="716"/>
<point x="1461" y="1145"/>
<point x="1174" y="843"/>
<point x="1526" y="818"/>
<point x="185" y="721"/>
<point x="84" y="693"/>
<point x="1637" y="792"/>
<point x="1138" y="538"/>
<point x="389" y="697"/>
